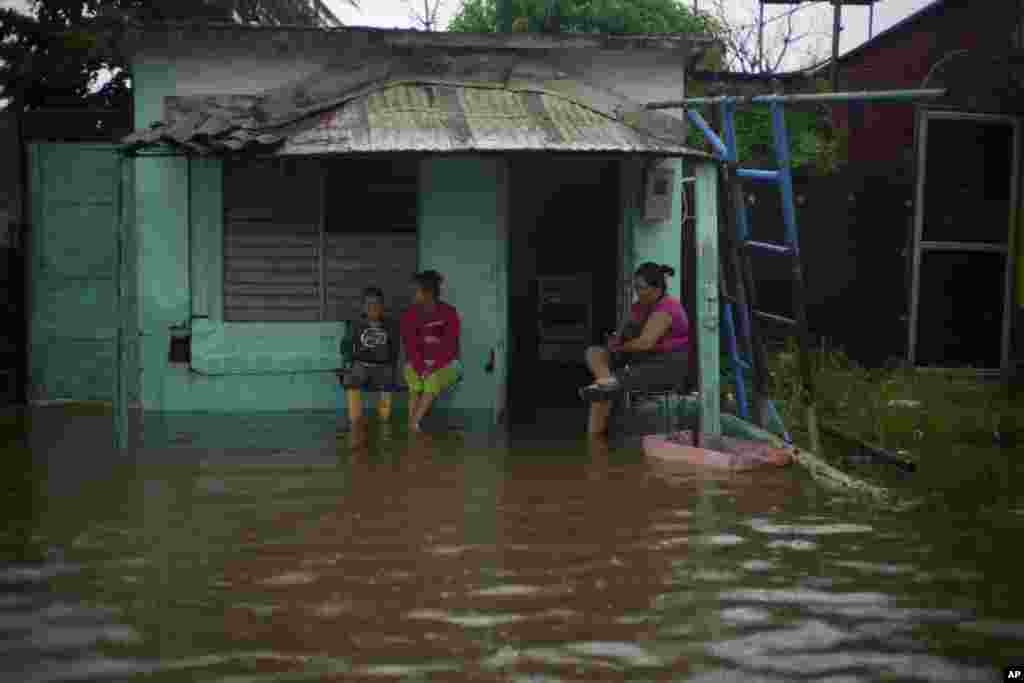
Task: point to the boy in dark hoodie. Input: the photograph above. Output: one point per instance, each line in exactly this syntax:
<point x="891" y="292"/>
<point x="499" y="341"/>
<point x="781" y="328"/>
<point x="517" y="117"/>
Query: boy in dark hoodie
<point x="372" y="344"/>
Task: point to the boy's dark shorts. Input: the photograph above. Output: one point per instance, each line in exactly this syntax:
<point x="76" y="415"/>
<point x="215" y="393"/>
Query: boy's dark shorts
<point x="363" y="375"/>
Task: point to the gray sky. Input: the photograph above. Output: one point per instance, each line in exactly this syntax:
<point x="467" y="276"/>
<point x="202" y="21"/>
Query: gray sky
<point x="811" y="18"/>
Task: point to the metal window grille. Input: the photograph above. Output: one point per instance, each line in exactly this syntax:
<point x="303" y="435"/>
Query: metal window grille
<point x="303" y="238"/>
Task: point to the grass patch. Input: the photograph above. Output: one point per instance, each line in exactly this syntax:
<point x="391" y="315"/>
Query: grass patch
<point x="898" y="408"/>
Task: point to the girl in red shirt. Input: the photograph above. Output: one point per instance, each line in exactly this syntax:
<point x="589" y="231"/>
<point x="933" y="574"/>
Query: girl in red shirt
<point x="430" y="334"/>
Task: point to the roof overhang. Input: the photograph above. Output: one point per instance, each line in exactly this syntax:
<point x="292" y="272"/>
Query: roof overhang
<point x="421" y="101"/>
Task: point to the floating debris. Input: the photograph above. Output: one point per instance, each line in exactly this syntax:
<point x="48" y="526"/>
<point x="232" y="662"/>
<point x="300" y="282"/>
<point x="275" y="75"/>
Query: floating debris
<point x="904" y="403"/>
<point x="290" y="579"/>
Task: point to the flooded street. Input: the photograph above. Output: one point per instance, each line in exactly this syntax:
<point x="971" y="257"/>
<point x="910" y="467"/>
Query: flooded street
<point x="472" y="557"/>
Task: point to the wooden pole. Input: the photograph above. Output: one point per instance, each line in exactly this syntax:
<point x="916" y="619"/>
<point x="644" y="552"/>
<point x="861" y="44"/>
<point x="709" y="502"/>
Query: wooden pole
<point x="707" y="313"/>
<point x="837" y="28"/>
<point x="760" y="37"/>
<point x="888" y="96"/>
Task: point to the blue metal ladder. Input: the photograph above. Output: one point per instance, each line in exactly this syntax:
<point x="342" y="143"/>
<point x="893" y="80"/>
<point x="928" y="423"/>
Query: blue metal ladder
<point x="741" y="244"/>
<point x="726" y="151"/>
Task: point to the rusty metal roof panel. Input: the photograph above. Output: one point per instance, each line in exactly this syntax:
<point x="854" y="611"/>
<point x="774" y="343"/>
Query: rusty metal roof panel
<point x="584" y="129"/>
<point x="498" y="119"/>
<point x="407" y="117"/>
<point x="443" y="118"/>
<point x="421" y="102"/>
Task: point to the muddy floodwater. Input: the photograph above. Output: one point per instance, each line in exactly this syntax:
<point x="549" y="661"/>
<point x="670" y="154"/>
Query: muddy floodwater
<point x="275" y="553"/>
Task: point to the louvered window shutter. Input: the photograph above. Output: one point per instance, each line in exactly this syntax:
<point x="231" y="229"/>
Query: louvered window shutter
<point x="271" y="241"/>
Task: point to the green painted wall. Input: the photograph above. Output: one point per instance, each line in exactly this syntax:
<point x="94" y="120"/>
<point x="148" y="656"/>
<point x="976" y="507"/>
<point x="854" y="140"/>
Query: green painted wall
<point x="462" y="234"/>
<point x="236" y="367"/>
<point x="658" y="241"/>
<point x="161" y="229"/>
<point x="207" y="236"/>
<point x="256" y="367"/>
<point x="75" y="210"/>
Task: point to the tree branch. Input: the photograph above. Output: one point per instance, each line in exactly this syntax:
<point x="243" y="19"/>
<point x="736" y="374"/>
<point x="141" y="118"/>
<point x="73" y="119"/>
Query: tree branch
<point x="741" y="39"/>
<point x="427" y="19"/>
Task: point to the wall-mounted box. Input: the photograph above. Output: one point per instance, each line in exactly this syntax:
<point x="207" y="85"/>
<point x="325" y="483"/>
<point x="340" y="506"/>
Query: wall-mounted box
<point x="658" y="184"/>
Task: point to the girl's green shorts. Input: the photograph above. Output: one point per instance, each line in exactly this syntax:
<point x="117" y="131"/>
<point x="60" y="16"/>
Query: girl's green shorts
<point x="434" y="383"/>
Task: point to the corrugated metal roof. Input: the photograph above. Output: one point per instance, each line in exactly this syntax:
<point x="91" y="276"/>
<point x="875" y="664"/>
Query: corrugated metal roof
<point x="424" y="117"/>
<point x="467" y="103"/>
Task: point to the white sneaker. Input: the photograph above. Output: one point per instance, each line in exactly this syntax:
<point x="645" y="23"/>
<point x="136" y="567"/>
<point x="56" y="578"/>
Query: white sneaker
<point x="600" y="390"/>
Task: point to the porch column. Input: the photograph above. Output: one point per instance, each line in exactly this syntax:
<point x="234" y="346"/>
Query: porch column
<point x="706" y="282"/>
<point x="462" y="234"/>
<point x="161" y="212"/>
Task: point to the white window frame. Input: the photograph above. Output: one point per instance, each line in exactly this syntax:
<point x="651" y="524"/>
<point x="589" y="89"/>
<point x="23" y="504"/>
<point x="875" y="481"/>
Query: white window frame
<point x="921" y="246"/>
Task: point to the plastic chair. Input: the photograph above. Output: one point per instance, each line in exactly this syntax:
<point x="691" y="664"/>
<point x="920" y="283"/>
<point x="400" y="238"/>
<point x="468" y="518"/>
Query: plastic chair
<point x="663" y="395"/>
<point x="674" y="389"/>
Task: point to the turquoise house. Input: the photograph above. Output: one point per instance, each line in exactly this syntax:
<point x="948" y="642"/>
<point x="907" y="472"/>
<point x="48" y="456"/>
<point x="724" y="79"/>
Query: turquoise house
<point x="209" y="263"/>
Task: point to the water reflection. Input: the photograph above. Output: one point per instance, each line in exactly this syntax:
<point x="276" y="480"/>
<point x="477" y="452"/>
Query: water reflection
<point x="475" y="555"/>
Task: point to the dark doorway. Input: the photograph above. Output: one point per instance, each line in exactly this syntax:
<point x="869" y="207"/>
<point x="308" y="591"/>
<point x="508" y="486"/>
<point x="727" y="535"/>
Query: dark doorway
<point x="564" y="244"/>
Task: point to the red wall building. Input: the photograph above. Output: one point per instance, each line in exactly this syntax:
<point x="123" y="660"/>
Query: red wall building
<point x="901" y="58"/>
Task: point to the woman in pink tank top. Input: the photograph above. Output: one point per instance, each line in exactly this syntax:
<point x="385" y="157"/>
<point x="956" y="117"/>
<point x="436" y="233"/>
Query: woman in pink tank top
<point x="651" y="351"/>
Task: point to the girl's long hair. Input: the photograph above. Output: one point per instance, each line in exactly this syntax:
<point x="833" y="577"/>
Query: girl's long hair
<point x="429" y="281"/>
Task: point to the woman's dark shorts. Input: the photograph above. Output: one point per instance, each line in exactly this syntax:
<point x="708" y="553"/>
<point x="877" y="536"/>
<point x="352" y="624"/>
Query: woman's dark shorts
<point x="368" y="375"/>
<point x="651" y="371"/>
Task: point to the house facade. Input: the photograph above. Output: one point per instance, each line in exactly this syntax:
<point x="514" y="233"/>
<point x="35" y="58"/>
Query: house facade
<point x="274" y="173"/>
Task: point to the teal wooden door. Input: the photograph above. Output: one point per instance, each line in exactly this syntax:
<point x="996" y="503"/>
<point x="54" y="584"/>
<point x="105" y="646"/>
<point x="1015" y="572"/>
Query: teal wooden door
<point x="73" y="263"/>
<point x="462" y="234"/>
